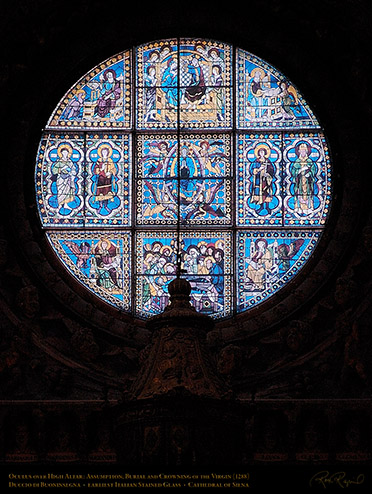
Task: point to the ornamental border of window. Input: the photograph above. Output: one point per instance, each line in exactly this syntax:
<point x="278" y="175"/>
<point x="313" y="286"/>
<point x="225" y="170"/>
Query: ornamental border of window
<point x="214" y="167"/>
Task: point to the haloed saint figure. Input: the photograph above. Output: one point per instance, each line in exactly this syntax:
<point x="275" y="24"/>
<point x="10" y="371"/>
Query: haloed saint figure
<point x="104" y="177"/>
<point x="186" y="141"/>
<point x="303" y="174"/>
<point x="262" y="178"/>
<point x="64" y="173"/>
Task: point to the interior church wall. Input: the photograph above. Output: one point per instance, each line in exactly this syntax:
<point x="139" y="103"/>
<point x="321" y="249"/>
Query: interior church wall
<point x="310" y="343"/>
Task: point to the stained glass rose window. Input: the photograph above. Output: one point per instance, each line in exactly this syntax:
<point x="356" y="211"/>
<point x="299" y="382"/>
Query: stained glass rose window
<point x="183" y="153"/>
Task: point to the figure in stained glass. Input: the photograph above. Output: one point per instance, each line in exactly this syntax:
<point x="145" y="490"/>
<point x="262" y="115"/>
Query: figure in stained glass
<point x="259" y="181"/>
<point x="211" y="159"/>
<point x="156" y="265"/>
<point x="99" y="99"/>
<point x="64" y="172"/>
<point x="209" y="282"/>
<point x="82" y="252"/>
<point x="204" y="97"/>
<point x="188" y="166"/>
<point x="266" y="98"/>
<point x="262" y="178"/>
<point x="169" y="83"/>
<point x="156" y="157"/>
<point x="215" y="56"/>
<point x="100" y="261"/>
<point x="286" y="252"/>
<point x="216" y="81"/>
<point x="200" y="203"/>
<point x="289" y="100"/>
<point x="303" y="174"/>
<point x="75" y="108"/>
<point x="163" y="201"/>
<point x="110" y="91"/>
<point x="268" y="261"/>
<point x="106" y="265"/>
<point x="306" y="179"/>
<point x="202" y="261"/>
<point x="257" y="101"/>
<point x="260" y="265"/>
<point x="104" y="178"/>
<point x="196" y="89"/>
<point x="150" y="81"/>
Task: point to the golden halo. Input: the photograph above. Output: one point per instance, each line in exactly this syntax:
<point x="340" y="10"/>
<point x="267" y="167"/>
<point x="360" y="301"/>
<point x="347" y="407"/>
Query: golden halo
<point x="219" y="244"/>
<point x="262" y="146"/>
<point x="210" y="258"/>
<point x="104" y="146"/>
<point x="257" y="69"/>
<point x="101" y="241"/>
<point x="64" y="145"/>
<point x="164" y="248"/>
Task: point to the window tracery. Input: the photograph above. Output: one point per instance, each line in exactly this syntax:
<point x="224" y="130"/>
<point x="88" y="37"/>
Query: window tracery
<point x="183" y="147"/>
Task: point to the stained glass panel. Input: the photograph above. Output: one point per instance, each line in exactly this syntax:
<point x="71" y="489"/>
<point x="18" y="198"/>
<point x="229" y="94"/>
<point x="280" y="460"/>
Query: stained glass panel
<point x="83" y="179"/>
<point x="184" y="180"/>
<point x="307" y="179"/>
<point x="100" y="261"/>
<point x="259" y="190"/>
<point x="60" y="184"/>
<point x="186" y="84"/>
<point x="157" y="202"/>
<point x="157" y="85"/>
<point x="266" y="98"/>
<point x="202" y="155"/>
<point x="246" y="191"/>
<point x="201" y="202"/>
<point x="157" y="156"/>
<point x="102" y="98"/>
<point x="205" y="84"/>
<point x="267" y="260"/>
<point x="206" y="258"/>
<point x="108" y="179"/>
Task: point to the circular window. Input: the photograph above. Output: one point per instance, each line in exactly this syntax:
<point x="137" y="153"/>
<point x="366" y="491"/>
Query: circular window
<point x="183" y="157"/>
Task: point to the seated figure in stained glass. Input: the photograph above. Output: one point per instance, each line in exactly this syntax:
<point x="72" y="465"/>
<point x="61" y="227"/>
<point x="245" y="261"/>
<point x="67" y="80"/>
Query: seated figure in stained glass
<point x="110" y="92"/>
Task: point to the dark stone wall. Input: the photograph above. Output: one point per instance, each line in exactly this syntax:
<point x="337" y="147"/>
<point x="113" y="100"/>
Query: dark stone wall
<point x="312" y="341"/>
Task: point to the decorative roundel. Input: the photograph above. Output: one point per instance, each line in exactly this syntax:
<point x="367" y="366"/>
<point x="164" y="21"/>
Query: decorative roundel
<point x="183" y="153"/>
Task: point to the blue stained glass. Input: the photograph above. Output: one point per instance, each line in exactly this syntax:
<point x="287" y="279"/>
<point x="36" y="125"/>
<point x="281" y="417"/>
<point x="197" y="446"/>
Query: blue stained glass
<point x="60" y="180"/>
<point x="157" y="202"/>
<point x="307" y="179"/>
<point x="205" y="259"/>
<point x="108" y="180"/>
<point x="267" y="260"/>
<point x="100" y="261"/>
<point x="186" y="83"/>
<point x="163" y="156"/>
<point x="100" y="99"/>
<point x="259" y="188"/>
<point x="267" y="99"/>
<point x="157" y="156"/>
<point x="205" y="84"/>
<point x="83" y="179"/>
<point x="146" y="150"/>
<point x="157" y="82"/>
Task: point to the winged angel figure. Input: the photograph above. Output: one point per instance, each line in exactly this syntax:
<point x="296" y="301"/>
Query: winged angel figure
<point x="82" y="252"/>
